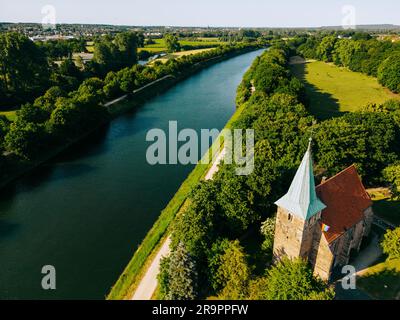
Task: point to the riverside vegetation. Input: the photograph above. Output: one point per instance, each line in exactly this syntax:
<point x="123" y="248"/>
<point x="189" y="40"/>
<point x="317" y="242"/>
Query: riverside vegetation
<point x="222" y="240"/>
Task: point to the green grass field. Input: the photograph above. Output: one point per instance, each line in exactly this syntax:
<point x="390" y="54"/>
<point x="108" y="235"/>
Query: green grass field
<point x="331" y="90"/>
<point x="382" y="281"/>
<point x="159" y="45"/>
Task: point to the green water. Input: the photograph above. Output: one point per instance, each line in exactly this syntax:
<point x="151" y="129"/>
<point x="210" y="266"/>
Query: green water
<point x="86" y="212"/>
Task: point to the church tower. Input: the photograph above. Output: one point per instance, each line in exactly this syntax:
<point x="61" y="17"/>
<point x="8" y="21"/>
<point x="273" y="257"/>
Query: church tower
<point x="299" y="212"/>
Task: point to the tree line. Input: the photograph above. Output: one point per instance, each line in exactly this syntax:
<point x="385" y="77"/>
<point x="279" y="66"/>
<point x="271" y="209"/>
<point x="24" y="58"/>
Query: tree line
<point x="28" y="69"/>
<point x="213" y="239"/>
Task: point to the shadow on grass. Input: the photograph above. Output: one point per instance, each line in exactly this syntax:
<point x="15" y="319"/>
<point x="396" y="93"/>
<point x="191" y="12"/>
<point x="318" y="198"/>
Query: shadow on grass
<point x="388" y="209"/>
<point x="384" y="284"/>
<point x="321" y="104"/>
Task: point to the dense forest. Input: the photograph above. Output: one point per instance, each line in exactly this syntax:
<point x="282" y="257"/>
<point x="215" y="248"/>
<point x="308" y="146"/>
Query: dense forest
<point x="222" y="243"/>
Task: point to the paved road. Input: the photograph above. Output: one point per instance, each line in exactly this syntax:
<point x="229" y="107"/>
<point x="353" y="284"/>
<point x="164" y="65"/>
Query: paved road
<point x="148" y="284"/>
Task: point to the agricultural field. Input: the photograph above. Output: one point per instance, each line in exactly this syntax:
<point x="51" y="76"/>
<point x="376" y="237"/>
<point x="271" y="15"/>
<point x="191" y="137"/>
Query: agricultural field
<point x="176" y="55"/>
<point x="159" y="45"/>
<point x="331" y="90"/>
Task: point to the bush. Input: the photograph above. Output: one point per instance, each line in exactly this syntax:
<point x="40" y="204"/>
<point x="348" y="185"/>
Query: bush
<point x="178" y="276"/>
<point x="391" y="243"/>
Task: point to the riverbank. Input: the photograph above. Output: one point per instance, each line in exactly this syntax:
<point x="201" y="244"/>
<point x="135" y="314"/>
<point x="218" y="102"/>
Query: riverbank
<point x="116" y="108"/>
<point x="130" y="278"/>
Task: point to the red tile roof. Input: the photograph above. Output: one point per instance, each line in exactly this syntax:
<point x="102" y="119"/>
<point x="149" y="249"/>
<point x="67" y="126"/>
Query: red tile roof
<point x="346" y="199"/>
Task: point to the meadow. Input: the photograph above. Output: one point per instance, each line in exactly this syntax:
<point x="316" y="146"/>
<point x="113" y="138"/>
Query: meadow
<point x="159" y="45"/>
<point x="331" y="90"/>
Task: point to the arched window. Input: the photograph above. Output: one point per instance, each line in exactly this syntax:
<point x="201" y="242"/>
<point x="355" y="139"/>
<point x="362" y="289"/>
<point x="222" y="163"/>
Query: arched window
<point x="289" y="217"/>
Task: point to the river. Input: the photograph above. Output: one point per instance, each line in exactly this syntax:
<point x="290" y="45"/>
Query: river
<point x="86" y="211"/>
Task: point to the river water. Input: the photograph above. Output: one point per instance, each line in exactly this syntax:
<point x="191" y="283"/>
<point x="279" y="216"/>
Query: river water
<point x="86" y="211"/>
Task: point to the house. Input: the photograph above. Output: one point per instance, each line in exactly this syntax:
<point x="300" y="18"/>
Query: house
<point x="325" y="224"/>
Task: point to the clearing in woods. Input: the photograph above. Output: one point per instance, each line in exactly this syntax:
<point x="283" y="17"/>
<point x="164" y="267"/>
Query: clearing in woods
<point x="331" y="90"/>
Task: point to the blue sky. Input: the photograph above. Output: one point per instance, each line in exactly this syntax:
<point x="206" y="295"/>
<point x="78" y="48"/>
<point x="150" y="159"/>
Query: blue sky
<point x="238" y="13"/>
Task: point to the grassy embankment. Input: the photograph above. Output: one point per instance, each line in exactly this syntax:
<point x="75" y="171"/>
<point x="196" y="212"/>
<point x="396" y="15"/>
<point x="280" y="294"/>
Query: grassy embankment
<point x="331" y="90"/>
<point x="382" y="281"/>
<point x="128" y="281"/>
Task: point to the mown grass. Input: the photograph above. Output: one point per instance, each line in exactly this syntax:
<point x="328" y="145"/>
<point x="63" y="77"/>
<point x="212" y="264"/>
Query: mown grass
<point x="129" y="279"/>
<point x="331" y="90"/>
<point x="382" y="281"/>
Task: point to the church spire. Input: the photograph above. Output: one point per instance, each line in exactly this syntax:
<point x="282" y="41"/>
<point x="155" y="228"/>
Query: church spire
<point x="301" y="199"/>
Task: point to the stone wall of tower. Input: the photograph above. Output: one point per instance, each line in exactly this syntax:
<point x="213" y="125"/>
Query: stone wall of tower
<point x="369" y="217"/>
<point x="323" y="258"/>
<point x="293" y="236"/>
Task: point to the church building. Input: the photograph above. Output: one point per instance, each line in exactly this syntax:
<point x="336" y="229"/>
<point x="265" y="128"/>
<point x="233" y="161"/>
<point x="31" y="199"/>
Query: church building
<point x="323" y="224"/>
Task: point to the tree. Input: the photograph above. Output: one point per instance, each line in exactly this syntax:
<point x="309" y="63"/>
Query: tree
<point x="325" y="48"/>
<point x="68" y="68"/>
<point x="26" y="140"/>
<point x="172" y="42"/>
<point x="294" y="280"/>
<point x="31" y="113"/>
<point x="268" y="231"/>
<point x="4" y="127"/>
<point x="24" y="70"/>
<point x="391" y="243"/>
<point x="389" y="73"/>
<point x="233" y="273"/>
<point x="178" y="276"/>
<point x="127" y="44"/>
<point x="197" y="227"/>
<point x="48" y="100"/>
<point x="214" y="258"/>
<point x="236" y="200"/>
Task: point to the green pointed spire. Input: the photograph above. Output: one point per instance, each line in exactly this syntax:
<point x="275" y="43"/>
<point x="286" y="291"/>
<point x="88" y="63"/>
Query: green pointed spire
<point x="301" y="199"/>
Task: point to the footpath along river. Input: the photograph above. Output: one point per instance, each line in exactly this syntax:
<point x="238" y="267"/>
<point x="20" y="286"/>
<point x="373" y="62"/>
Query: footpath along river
<point x="86" y="211"/>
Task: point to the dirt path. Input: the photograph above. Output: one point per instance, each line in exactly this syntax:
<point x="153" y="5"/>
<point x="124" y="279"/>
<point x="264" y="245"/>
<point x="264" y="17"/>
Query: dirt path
<point x="115" y="100"/>
<point x="148" y="284"/>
